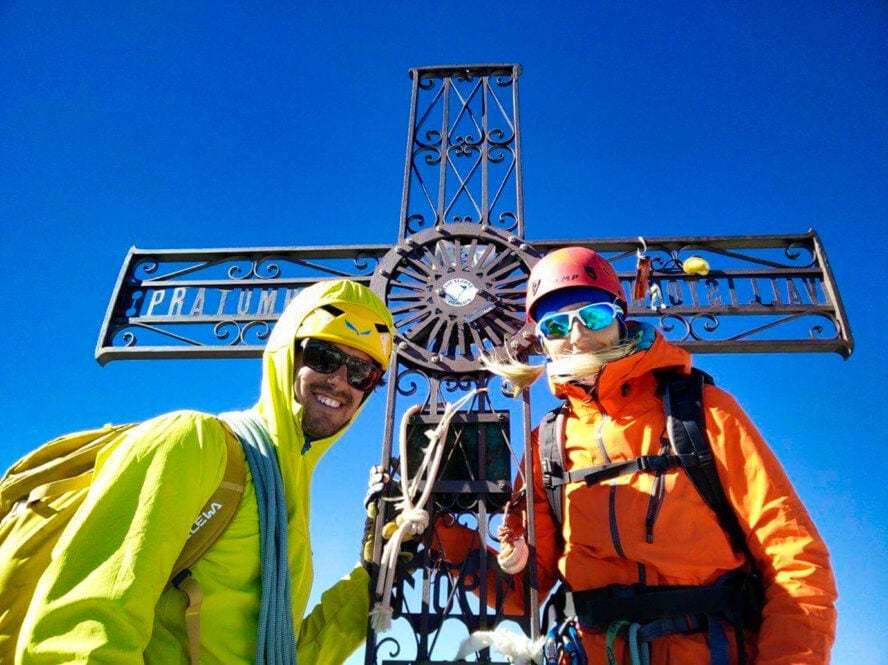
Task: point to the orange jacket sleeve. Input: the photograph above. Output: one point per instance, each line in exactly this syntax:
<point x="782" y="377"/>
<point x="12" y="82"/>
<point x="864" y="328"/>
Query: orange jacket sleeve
<point x="799" y="617"/>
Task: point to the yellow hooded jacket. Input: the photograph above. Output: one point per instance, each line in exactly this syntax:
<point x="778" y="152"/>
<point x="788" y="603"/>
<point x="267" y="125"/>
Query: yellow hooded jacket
<point x="104" y="597"/>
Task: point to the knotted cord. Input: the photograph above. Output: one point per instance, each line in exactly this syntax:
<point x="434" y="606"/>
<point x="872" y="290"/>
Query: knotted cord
<point x="413" y="519"/>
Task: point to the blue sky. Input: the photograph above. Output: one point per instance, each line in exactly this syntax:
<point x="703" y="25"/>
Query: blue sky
<point x="219" y="124"/>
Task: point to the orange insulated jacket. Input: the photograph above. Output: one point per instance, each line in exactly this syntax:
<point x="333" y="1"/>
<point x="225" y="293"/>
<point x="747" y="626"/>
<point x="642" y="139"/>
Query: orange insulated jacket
<point x="623" y="531"/>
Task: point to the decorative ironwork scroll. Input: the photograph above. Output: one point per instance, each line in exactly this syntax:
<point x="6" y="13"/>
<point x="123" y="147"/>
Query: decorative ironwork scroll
<point x="759" y="293"/>
<point x="439" y="606"/>
<point x="454" y="284"/>
<point x="455" y="291"/>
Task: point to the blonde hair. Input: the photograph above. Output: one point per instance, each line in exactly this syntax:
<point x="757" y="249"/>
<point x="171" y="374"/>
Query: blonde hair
<point x="575" y="367"/>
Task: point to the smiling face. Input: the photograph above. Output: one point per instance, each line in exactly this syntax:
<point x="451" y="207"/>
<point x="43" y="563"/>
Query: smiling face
<point x="328" y="401"/>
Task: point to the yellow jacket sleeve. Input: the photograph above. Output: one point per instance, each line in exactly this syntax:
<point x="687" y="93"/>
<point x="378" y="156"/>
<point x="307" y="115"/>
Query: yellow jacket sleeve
<point x="338" y="624"/>
<point x="97" y="599"/>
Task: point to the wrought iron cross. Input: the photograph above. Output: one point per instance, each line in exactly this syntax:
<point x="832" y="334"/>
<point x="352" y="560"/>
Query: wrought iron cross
<point x="454" y="283"/>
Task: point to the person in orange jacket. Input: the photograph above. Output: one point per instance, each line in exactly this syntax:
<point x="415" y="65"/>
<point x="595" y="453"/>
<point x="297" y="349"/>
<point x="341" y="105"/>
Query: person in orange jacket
<point x="623" y="540"/>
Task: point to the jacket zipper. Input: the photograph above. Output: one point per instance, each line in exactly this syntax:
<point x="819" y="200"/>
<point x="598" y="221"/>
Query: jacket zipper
<point x="615" y="532"/>
<point x="612" y="494"/>
<point x="656" y="503"/>
<point x="658" y="495"/>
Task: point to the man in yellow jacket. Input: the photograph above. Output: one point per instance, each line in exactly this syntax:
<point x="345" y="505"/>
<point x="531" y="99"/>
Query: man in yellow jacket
<point x="105" y="597"/>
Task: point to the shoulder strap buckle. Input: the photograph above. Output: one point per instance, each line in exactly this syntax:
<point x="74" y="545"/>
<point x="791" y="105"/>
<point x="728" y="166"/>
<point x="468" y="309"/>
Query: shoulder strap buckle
<point x="551" y="471"/>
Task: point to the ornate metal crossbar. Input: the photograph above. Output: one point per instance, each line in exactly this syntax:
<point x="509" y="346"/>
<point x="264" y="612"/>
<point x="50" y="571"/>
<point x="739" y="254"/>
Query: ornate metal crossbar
<point x="457" y="289"/>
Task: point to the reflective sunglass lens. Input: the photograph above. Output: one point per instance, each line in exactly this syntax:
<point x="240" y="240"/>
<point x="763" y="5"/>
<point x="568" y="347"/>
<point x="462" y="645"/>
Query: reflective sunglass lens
<point x="326" y="359"/>
<point x="596" y="317"/>
<point x="361" y="375"/>
<point x="555" y="327"/>
<point x="322" y="358"/>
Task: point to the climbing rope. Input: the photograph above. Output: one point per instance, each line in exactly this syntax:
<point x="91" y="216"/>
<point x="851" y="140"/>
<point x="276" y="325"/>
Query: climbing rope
<point x="639" y="649"/>
<point x="276" y="643"/>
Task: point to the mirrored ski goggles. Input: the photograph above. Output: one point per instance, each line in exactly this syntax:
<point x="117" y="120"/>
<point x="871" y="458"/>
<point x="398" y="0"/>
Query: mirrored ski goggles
<point x="326" y="359"/>
<point x="595" y="317"/>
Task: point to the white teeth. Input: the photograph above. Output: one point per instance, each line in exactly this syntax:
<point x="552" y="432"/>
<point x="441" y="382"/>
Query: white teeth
<point x="328" y="401"/>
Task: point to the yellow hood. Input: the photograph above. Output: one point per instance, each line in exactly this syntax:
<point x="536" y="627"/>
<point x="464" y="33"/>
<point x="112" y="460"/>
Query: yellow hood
<point x="281" y="414"/>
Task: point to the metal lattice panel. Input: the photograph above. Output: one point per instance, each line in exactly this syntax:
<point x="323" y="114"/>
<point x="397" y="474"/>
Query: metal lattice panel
<point x="215" y="303"/>
<point x="463" y="149"/>
<point x="457" y="289"/>
<point x="761" y="294"/>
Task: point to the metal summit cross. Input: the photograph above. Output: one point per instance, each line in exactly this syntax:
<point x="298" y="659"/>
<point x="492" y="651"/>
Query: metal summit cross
<point x="454" y="283"/>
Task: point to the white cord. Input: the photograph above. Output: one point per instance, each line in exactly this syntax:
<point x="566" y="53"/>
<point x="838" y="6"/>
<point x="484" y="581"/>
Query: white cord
<point x="413" y="519"/>
<point x="518" y="648"/>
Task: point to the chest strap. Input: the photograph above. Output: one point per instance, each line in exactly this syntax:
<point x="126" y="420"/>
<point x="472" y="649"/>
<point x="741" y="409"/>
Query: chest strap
<point x="554" y="476"/>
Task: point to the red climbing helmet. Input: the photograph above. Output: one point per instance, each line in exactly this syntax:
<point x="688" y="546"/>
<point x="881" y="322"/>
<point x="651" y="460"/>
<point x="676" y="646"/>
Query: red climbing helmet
<point x="571" y="267"/>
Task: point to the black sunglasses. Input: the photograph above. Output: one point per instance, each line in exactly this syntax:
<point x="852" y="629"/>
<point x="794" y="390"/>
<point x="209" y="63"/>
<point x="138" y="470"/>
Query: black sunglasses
<point x="326" y="359"/>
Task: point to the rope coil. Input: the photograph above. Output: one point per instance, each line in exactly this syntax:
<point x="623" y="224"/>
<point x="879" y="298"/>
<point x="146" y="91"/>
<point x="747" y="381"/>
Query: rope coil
<point x="413" y="519"/>
<point x="276" y="641"/>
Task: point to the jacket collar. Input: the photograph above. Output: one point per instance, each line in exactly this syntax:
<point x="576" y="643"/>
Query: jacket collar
<point x="636" y="369"/>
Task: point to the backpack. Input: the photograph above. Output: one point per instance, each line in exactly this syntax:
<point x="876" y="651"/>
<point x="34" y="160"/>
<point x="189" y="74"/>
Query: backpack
<point x="740" y="597"/>
<point x="42" y="491"/>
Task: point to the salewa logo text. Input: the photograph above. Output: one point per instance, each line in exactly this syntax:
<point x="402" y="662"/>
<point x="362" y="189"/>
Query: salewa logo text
<point x="204" y="517"/>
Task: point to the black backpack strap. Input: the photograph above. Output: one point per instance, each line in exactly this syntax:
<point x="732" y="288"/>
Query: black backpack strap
<point x="551" y="444"/>
<point x="683" y="402"/>
<point x="644" y="463"/>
